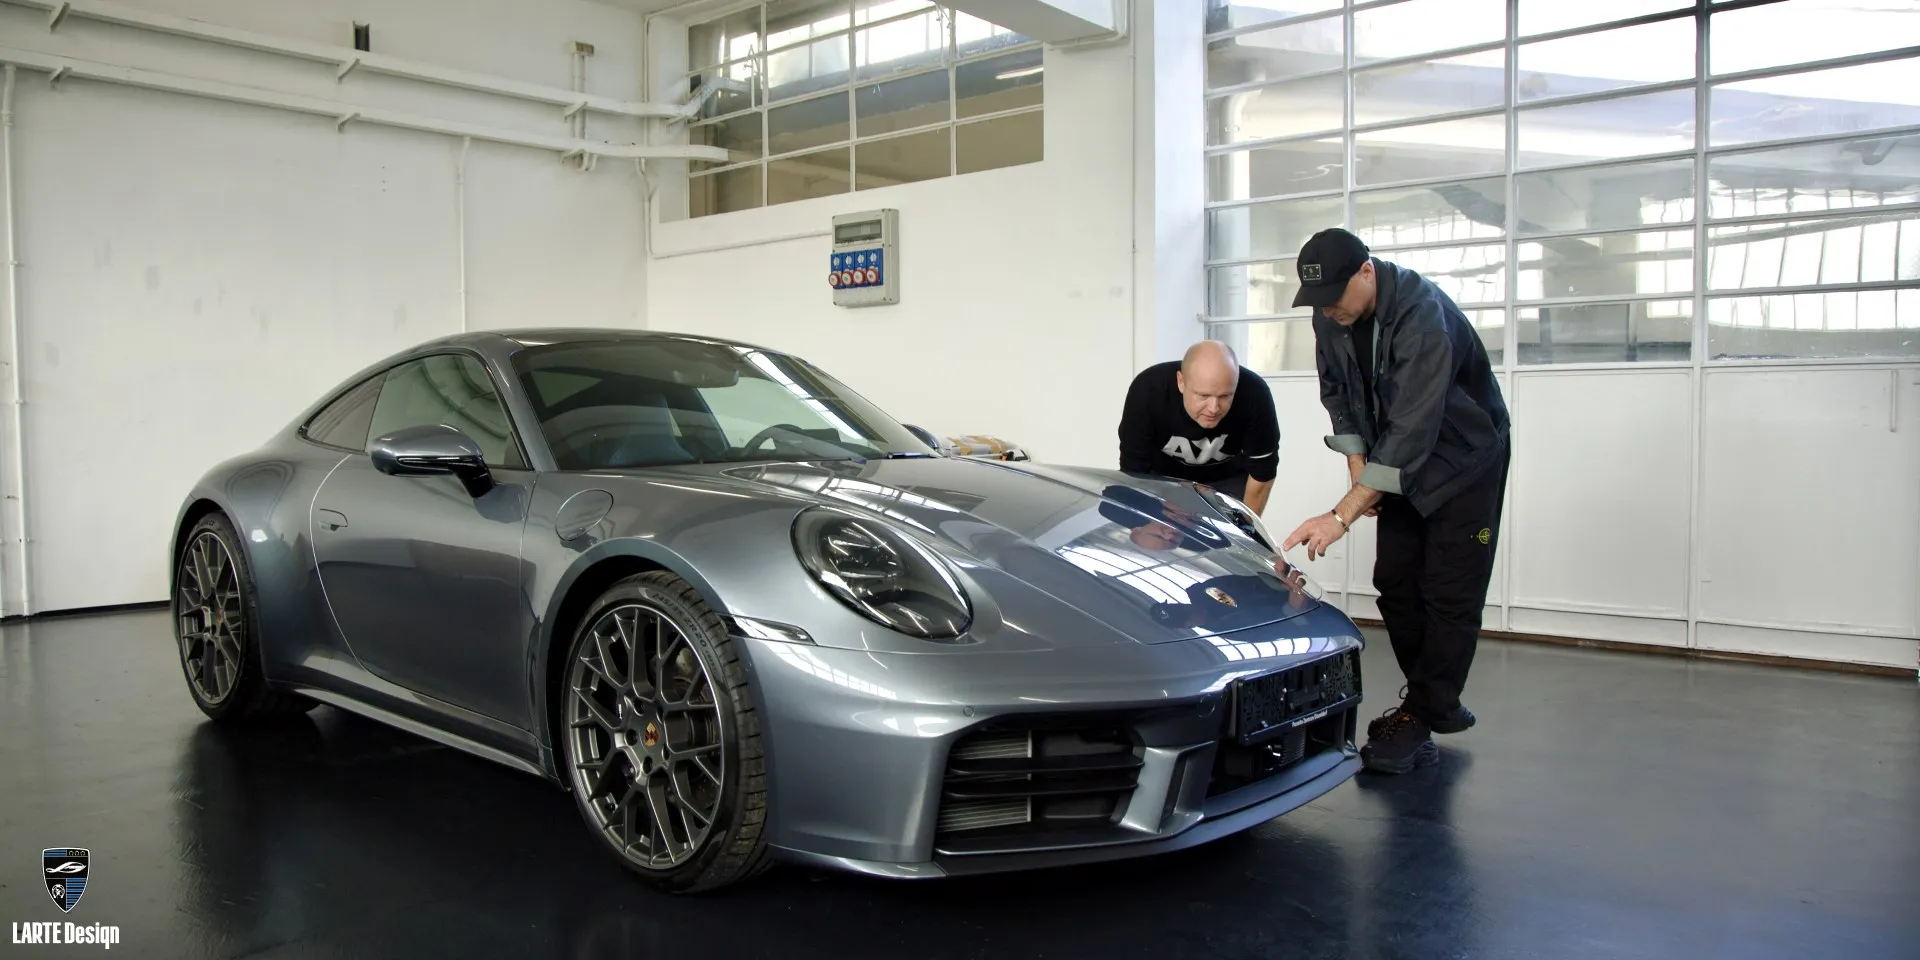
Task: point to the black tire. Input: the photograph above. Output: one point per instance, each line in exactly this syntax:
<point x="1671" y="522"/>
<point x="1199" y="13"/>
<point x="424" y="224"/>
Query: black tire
<point x="732" y="848"/>
<point x="213" y="551"/>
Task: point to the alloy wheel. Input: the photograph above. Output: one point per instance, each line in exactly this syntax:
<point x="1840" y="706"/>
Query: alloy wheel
<point x="647" y="736"/>
<point x="209" y="618"/>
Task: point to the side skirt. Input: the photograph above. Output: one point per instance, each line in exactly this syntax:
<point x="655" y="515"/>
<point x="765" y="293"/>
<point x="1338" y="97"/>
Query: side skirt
<point x="388" y="717"/>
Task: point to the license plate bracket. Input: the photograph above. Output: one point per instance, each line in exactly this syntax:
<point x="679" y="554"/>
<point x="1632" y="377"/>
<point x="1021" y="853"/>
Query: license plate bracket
<point x="1272" y="704"/>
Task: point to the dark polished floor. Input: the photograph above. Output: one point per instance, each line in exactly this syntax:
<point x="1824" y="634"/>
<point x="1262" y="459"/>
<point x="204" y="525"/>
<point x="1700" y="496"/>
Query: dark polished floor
<point x="1608" y="805"/>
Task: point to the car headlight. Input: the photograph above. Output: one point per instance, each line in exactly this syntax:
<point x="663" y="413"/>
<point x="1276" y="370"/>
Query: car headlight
<point x="885" y="576"/>
<point x="1243" y="517"/>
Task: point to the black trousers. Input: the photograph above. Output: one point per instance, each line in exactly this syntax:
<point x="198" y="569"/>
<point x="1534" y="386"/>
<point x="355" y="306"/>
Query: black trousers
<point x="1432" y="574"/>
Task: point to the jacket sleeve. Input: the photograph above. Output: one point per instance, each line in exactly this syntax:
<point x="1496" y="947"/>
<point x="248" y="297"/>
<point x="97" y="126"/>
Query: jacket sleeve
<point x="1346" y="437"/>
<point x="1422" y="372"/>
<point x="1262" y="448"/>
<point x="1136" y="430"/>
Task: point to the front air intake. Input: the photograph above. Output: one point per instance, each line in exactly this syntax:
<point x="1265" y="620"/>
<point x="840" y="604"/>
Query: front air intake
<point x="1036" y="779"/>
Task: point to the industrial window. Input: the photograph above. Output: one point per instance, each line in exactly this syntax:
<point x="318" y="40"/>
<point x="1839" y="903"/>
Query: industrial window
<point x="1543" y="162"/>
<point x="817" y="99"/>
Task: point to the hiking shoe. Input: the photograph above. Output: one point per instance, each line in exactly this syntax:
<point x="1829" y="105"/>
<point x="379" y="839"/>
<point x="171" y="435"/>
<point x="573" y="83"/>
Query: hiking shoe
<point x="1458" y="721"/>
<point x="1399" y="742"/>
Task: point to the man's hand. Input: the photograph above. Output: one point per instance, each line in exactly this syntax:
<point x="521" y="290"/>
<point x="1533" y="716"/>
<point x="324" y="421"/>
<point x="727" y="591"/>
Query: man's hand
<point x="1356" y="464"/>
<point x="1318" y="534"/>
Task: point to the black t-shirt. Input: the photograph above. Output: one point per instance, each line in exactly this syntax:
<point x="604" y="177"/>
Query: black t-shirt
<point x="1158" y="437"/>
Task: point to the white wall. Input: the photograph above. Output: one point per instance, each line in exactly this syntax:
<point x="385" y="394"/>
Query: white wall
<point x="1787" y="525"/>
<point x="193" y="272"/>
<point x="1023" y="312"/>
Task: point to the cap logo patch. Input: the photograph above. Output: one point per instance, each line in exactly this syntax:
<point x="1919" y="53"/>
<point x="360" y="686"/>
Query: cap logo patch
<point x="1310" y="272"/>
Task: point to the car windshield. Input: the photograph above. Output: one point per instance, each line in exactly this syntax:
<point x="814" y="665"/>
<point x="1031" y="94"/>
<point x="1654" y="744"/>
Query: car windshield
<point x="644" y="403"/>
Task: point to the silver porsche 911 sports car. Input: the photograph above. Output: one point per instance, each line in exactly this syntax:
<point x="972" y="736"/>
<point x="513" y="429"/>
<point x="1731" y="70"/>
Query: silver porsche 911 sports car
<point x="744" y="616"/>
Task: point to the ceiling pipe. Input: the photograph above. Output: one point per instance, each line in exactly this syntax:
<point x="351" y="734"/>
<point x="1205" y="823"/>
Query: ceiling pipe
<point x="347" y="60"/>
<point x="344" y="113"/>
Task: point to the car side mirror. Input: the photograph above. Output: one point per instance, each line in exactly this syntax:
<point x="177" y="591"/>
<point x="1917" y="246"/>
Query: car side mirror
<point x="432" y="450"/>
<point x="926" y="436"/>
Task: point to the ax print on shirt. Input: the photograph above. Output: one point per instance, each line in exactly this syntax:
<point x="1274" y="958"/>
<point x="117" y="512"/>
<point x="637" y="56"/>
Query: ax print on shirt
<point x="1210" y="450"/>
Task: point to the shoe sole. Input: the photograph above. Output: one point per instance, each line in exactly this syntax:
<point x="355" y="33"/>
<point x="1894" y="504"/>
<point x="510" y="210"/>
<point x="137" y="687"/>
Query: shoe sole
<point x="1466" y="722"/>
<point x="1425" y="755"/>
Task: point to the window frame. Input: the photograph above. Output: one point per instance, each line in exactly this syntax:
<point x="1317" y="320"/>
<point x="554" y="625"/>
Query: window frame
<point x="1699" y="91"/>
<point x="760" y="107"/>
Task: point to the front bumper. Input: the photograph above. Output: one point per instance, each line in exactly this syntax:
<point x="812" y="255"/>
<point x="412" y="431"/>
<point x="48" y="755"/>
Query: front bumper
<point x="906" y="766"/>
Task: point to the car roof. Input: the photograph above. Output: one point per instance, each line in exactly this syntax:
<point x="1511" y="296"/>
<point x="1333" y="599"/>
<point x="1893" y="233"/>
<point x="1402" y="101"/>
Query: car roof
<point x="513" y="340"/>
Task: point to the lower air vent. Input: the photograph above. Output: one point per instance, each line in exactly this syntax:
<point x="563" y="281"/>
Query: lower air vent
<point x="1036" y="779"/>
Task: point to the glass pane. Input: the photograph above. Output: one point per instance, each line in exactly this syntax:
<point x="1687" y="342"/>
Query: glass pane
<point x="916" y="101"/>
<point x="1606" y="129"/>
<point x="1843" y="100"/>
<point x="1475" y="210"/>
<point x="1000" y="142"/>
<point x="821" y="174"/>
<point x="1001" y="83"/>
<point x="1278" y="53"/>
<point x="1491" y="325"/>
<point x="973" y="36"/>
<point x="870" y="11"/>
<point x="1275" y="229"/>
<point x="1604" y="198"/>
<point x="1225" y="15"/>
<point x="798" y="71"/>
<point x="916" y="156"/>
<point x="1428" y="87"/>
<point x="1418" y="26"/>
<point x="740" y="136"/>
<point x="724" y="192"/>
<point x="1304" y="166"/>
<point x="731" y="38"/>
<point x="1553" y="16"/>
<point x="1469" y="275"/>
<point x="1450" y="148"/>
<point x="1618" y="264"/>
<point x="1802" y="31"/>
<point x="1282" y="110"/>
<point x="909" y="44"/>
<point x="795" y="21"/>
<point x="1862" y="323"/>
<point x="809" y="123"/>
<point x="1592" y="62"/>
<point x="1253" y="289"/>
<point x="1815" y="177"/>
<point x="1648" y="331"/>
<point x="737" y="86"/>
<point x="1823" y="250"/>
<point x="1271" y="346"/>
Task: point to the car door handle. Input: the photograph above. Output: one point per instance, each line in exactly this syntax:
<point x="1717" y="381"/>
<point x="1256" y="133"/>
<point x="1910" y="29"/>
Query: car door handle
<point x="330" y="519"/>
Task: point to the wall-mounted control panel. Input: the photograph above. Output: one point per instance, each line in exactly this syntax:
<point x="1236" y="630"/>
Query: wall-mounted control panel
<point x="864" y="268"/>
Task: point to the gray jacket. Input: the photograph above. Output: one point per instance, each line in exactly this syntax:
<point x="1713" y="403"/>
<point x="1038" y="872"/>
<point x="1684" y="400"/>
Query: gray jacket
<point x="1435" y="420"/>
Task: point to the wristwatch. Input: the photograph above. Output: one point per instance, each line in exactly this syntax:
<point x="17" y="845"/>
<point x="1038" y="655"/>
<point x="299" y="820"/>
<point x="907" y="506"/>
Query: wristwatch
<point x="1335" y="513"/>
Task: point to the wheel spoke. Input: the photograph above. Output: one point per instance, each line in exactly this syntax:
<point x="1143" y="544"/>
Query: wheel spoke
<point x="656" y="794"/>
<point x="643" y="656"/>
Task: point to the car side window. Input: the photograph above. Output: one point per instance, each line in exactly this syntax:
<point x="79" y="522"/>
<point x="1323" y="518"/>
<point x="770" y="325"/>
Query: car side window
<point x="344" y="422"/>
<point x="451" y="389"/>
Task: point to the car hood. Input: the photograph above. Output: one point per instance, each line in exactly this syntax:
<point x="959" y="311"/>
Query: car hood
<point x="1149" y="558"/>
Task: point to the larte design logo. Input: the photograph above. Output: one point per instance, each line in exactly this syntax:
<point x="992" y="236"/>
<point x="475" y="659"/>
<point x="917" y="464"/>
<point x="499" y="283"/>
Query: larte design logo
<point x="65" y="871"/>
<point x="66" y="875"/>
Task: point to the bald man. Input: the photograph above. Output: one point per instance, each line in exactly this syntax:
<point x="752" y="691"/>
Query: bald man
<point x="1203" y="418"/>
